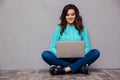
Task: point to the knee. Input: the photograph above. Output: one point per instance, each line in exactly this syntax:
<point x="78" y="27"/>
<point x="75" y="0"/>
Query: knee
<point x="96" y="52"/>
<point x="45" y="54"/>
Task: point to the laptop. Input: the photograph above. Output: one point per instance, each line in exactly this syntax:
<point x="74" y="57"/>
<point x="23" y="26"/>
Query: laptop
<point x="70" y="49"/>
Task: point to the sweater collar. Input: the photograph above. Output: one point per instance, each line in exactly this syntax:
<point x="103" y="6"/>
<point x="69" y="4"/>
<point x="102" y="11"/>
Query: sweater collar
<point x="70" y="26"/>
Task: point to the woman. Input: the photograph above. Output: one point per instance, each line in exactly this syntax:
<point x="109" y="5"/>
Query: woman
<point x="70" y="29"/>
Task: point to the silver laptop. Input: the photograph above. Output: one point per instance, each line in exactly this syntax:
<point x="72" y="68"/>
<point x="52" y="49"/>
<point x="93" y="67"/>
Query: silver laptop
<point x="70" y="49"/>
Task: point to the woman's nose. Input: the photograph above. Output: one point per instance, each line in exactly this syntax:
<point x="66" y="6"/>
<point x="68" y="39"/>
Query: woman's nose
<point x="70" y="16"/>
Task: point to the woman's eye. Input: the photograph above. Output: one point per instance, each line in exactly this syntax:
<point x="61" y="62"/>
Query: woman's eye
<point x="67" y="15"/>
<point x="73" y="14"/>
<point x="70" y="14"/>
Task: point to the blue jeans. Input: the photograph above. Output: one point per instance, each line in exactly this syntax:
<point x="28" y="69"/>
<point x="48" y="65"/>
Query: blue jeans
<point x="74" y="63"/>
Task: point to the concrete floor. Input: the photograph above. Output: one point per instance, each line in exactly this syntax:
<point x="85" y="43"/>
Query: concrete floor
<point x="98" y="74"/>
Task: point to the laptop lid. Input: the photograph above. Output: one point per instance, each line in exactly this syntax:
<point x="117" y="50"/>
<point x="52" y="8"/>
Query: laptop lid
<point x="70" y="49"/>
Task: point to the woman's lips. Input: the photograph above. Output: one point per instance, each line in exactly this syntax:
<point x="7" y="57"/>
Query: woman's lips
<point x="70" y="19"/>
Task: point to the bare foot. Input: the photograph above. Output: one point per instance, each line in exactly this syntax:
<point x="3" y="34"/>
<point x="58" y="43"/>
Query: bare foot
<point x="67" y="69"/>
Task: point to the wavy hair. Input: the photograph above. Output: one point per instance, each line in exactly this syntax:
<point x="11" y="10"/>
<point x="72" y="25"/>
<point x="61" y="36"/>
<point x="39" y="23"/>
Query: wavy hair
<point x="78" y="19"/>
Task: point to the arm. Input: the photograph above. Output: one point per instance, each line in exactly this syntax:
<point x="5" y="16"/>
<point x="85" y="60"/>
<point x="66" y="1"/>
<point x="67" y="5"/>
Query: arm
<point x="85" y="37"/>
<point x="55" y="38"/>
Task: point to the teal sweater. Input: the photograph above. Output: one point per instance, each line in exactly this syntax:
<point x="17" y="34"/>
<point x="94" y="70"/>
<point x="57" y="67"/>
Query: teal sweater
<point x="70" y="34"/>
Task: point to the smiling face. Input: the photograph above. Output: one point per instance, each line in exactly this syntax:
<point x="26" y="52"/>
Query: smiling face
<point x="70" y="17"/>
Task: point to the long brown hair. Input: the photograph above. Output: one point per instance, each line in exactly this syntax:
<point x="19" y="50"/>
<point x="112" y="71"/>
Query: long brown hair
<point x="78" y="19"/>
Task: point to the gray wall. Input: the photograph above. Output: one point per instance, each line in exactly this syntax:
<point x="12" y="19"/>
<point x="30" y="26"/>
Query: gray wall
<point x="26" y="29"/>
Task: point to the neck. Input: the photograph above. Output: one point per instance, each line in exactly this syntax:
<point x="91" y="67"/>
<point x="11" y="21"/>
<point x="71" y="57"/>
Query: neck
<point x="70" y="24"/>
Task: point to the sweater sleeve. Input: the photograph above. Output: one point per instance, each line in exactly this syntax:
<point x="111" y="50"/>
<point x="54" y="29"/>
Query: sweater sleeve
<point x="55" y="38"/>
<point x="85" y="37"/>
